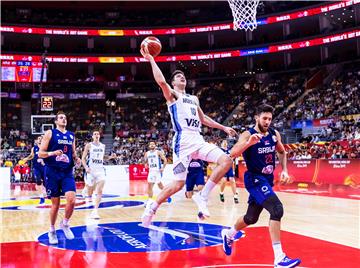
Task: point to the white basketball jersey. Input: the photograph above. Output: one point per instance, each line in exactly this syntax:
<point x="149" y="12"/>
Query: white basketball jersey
<point x="184" y="114"/>
<point x="154" y="161"/>
<point x="96" y="155"/>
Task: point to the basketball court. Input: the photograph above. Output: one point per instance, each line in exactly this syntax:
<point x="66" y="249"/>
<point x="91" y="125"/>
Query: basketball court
<point x="321" y="224"/>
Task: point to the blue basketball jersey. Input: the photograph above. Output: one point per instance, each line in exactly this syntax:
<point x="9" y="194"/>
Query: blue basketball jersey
<point x="64" y="142"/>
<point x="260" y="157"/>
<point x="35" y="162"/>
<point x="227" y="151"/>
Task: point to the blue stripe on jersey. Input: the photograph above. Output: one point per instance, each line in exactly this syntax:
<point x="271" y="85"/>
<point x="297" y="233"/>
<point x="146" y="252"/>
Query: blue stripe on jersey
<point x="174" y="117"/>
<point x="159" y="161"/>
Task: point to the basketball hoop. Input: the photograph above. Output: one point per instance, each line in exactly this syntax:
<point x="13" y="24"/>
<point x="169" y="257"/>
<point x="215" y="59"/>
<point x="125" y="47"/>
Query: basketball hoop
<point x="244" y="13"/>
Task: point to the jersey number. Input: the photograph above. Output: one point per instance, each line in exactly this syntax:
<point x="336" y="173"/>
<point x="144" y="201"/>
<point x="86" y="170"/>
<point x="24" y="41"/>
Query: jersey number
<point x="268" y="159"/>
<point x="65" y="149"/>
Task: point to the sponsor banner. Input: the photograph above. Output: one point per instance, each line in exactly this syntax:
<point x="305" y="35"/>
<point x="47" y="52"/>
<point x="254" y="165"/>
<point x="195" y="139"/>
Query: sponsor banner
<point x="319" y="171"/>
<point x="138" y="172"/>
<point x="190" y="57"/>
<point x="296" y="124"/>
<point x="323" y="122"/>
<point x="339" y="171"/>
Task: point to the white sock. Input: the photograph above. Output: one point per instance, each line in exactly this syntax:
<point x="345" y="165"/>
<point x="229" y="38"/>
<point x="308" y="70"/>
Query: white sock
<point x="41" y="195"/>
<point x="52" y="228"/>
<point x="221" y="193"/>
<point x="232" y="232"/>
<point x="207" y="189"/>
<point x="154" y="206"/>
<point x="278" y="252"/>
<point x="66" y="222"/>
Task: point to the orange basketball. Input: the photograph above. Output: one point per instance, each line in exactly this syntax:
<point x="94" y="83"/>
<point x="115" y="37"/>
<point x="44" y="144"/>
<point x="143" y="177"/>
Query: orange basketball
<point x="153" y="44"/>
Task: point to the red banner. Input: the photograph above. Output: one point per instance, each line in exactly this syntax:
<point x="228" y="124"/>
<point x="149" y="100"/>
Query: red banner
<point x="138" y="172"/>
<point x="319" y="171"/>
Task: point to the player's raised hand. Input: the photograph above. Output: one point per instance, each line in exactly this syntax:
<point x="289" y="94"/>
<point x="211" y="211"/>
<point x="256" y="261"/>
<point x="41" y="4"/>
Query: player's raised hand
<point x="145" y="53"/>
<point x="255" y="138"/>
<point x="284" y="177"/>
<point x="230" y="131"/>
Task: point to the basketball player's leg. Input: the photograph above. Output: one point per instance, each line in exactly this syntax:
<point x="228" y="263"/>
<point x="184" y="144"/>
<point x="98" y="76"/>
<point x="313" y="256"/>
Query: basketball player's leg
<point x="68" y="187"/>
<point x="211" y="153"/>
<point x="190" y="184"/>
<point x="222" y="188"/>
<point x="39" y="179"/>
<point x="99" y="186"/>
<point x="180" y="172"/>
<point x="53" y="191"/>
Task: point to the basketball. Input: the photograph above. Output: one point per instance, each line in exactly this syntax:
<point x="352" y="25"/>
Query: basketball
<point x="153" y="44"/>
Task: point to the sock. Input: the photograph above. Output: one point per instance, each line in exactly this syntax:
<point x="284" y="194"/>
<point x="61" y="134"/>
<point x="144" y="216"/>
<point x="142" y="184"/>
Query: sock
<point x="236" y="195"/>
<point x="232" y="232"/>
<point x="41" y="195"/>
<point x="222" y="193"/>
<point x="154" y="206"/>
<point x="66" y="221"/>
<point x="207" y="189"/>
<point x="278" y="252"/>
<point x="52" y="228"/>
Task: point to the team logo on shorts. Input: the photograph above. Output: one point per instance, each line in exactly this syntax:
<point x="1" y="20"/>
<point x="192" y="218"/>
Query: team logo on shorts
<point x="133" y="237"/>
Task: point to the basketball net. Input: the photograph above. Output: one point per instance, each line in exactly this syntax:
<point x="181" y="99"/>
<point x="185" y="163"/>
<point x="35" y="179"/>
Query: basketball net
<point x="244" y="13"/>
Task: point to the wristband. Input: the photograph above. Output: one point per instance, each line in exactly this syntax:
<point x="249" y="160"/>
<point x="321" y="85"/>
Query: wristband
<point x="51" y="153"/>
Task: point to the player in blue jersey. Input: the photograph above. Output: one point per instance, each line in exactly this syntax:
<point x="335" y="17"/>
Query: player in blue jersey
<point x="38" y="168"/>
<point x="59" y="153"/>
<point x="228" y="177"/>
<point x="194" y="177"/>
<point x="258" y="146"/>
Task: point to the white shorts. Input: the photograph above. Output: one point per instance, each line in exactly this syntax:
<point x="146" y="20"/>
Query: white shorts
<point x="154" y="176"/>
<point x="188" y="146"/>
<point x="94" y="176"/>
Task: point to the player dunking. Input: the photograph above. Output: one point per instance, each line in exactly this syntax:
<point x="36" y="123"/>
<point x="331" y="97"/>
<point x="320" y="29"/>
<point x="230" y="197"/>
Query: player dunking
<point x="258" y="146"/>
<point x="59" y="153"/>
<point x="38" y="168"/>
<point x="95" y="171"/>
<point x="187" y="118"/>
<point x="229" y="176"/>
<point x="153" y="159"/>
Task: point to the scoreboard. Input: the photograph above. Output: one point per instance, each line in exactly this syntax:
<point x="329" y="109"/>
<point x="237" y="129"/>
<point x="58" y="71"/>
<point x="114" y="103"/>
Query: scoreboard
<point x="21" y="71"/>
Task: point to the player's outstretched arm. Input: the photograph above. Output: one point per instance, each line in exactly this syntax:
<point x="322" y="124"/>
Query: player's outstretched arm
<point x="207" y="121"/>
<point x="245" y="141"/>
<point x="168" y="92"/>
<point x="30" y="156"/>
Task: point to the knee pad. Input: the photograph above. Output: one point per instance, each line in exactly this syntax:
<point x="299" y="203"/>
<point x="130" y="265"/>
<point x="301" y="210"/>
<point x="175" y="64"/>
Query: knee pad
<point x="275" y="208"/>
<point x="250" y="219"/>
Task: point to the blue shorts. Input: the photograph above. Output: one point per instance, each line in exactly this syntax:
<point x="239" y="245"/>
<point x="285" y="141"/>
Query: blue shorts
<point x="38" y="173"/>
<point x="194" y="178"/>
<point x="58" y="181"/>
<point x="259" y="187"/>
<point x="229" y="174"/>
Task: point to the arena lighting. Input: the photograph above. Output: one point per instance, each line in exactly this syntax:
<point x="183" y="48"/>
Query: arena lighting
<point x="8" y="58"/>
<point x="174" y="31"/>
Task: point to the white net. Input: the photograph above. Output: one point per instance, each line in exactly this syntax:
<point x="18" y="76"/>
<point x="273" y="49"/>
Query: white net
<point x="244" y="13"/>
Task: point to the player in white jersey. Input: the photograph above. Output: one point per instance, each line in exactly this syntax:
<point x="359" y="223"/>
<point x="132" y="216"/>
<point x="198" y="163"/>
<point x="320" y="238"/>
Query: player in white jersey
<point x="95" y="171"/>
<point x="153" y="159"/>
<point x="187" y="118"/>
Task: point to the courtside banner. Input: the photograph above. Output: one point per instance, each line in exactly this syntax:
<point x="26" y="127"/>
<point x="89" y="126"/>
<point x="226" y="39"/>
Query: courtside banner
<point x="319" y="171"/>
<point x="138" y="172"/>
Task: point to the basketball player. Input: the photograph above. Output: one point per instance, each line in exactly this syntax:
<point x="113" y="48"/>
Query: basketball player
<point x="187" y="118"/>
<point x="194" y="177"/>
<point x="94" y="170"/>
<point x="229" y="176"/>
<point x="38" y="168"/>
<point x="258" y="146"/>
<point x="153" y="159"/>
<point x="59" y="153"/>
